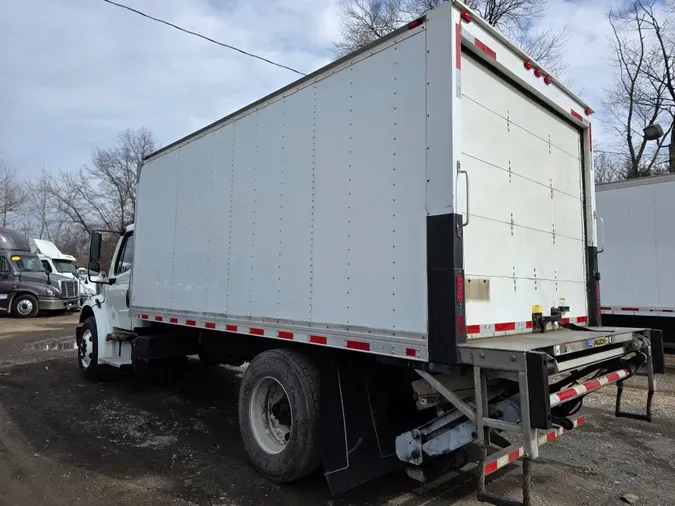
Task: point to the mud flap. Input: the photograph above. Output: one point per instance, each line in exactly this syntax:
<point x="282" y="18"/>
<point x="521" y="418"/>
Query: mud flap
<point x="658" y="353"/>
<point x="358" y="439"/>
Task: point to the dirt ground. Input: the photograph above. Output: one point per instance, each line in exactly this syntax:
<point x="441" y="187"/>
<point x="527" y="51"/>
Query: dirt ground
<point x="126" y="441"/>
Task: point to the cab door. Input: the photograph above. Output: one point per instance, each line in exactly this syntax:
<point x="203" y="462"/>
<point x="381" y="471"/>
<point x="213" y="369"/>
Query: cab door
<point x="117" y="293"/>
<point x="6" y="283"/>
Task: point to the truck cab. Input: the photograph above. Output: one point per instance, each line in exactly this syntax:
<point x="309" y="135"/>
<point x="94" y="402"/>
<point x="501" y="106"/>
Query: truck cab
<point x="56" y="262"/>
<point x="106" y="314"/>
<point x="25" y="287"/>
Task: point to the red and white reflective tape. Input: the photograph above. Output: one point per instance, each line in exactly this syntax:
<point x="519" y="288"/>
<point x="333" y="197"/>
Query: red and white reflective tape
<point x="578" y="115"/>
<point x="504" y="328"/>
<point x="500" y="460"/>
<point x="482" y="46"/>
<point x="585" y="388"/>
<point x="410" y="350"/>
<point x="638" y="311"/>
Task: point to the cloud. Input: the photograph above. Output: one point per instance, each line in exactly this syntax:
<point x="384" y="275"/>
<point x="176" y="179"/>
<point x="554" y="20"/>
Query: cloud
<point x="73" y="73"/>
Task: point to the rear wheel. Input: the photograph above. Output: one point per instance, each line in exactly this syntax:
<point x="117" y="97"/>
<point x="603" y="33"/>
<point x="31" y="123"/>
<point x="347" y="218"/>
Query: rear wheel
<point x="279" y="414"/>
<point x="25" y="305"/>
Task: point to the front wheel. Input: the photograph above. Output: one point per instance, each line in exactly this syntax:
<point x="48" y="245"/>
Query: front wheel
<point x="87" y="350"/>
<point x="279" y="415"/>
<point x="25" y="306"/>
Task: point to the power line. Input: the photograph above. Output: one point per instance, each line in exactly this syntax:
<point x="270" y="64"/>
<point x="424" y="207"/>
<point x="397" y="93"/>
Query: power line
<point x="203" y="37"/>
<point x="609" y="152"/>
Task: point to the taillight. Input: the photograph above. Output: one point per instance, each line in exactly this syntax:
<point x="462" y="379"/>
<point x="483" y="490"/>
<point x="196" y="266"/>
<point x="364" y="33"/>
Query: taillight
<point x="460" y="288"/>
<point x="415" y="24"/>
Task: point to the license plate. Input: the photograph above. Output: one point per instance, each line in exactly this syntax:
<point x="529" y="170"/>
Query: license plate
<point x="598" y="341"/>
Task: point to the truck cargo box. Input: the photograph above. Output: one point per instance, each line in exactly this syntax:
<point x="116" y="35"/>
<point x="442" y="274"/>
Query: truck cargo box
<point x="430" y="189"/>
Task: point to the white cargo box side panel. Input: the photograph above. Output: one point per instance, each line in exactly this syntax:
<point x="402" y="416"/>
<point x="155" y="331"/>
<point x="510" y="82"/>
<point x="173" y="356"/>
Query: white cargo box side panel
<point x="310" y="208"/>
<point x="525" y="240"/>
<point x="154" y="263"/>
<point x="638" y="273"/>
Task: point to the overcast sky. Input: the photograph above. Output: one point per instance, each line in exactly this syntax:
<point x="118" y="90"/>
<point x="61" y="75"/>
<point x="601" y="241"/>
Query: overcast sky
<point x="73" y="73"/>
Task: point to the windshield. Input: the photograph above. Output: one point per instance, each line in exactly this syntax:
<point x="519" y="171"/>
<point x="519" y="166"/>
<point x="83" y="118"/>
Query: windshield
<point x="65" y="266"/>
<point x="28" y="263"/>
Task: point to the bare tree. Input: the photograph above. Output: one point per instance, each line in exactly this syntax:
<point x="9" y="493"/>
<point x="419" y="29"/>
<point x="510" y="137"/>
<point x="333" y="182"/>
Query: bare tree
<point x="363" y="21"/>
<point x="659" y="19"/>
<point x="39" y="214"/>
<point x="641" y="95"/>
<point x="607" y="168"/>
<point x="103" y="194"/>
<point x="12" y="194"/>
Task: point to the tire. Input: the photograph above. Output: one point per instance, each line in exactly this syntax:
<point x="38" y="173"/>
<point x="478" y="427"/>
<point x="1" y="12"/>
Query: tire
<point x="289" y="374"/>
<point x="25" y="306"/>
<point x="87" y="351"/>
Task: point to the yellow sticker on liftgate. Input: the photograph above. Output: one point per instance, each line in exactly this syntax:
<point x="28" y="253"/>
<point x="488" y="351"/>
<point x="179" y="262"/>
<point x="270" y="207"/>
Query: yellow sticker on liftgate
<point x="536" y="308"/>
<point x="16" y="259"/>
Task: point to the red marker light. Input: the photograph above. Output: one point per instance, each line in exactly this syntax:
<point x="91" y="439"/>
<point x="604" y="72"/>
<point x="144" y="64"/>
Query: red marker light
<point x="527" y="64"/>
<point x="548" y="80"/>
<point x="460" y="288"/>
<point x="588" y="111"/>
<point x="466" y="16"/>
<point x="415" y="24"/>
<point x="461" y="327"/>
<point x="537" y="73"/>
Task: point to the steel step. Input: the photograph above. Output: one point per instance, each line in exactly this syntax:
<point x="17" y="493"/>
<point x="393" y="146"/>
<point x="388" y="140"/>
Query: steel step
<point x="121" y="335"/>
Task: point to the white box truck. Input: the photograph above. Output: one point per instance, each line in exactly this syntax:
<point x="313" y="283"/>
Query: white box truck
<point x="401" y="244"/>
<point x="638" y="276"/>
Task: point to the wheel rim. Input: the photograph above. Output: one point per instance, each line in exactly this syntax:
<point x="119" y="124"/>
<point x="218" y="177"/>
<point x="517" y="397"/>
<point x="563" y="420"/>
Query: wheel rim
<point x="86" y="348"/>
<point x="270" y="415"/>
<point x="24" y="307"/>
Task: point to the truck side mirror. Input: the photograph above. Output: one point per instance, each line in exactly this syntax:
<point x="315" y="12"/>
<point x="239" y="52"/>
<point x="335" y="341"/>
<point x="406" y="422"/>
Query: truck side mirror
<point x="94" y="265"/>
<point x="95" y="248"/>
<point x="94" y="268"/>
<point x="653" y="132"/>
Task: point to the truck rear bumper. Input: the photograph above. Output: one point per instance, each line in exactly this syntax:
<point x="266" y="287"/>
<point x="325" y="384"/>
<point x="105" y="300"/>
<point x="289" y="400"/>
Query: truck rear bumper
<point x="58" y="304"/>
<point x="564" y="349"/>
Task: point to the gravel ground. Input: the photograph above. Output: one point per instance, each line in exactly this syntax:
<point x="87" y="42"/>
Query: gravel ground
<point x="127" y="441"/>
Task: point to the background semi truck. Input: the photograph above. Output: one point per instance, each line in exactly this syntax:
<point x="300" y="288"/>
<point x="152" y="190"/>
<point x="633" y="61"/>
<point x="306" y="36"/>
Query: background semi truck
<point x="26" y="288"/>
<point x="401" y="244"/>
<point x="54" y="261"/>
<point x="638" y="275"/>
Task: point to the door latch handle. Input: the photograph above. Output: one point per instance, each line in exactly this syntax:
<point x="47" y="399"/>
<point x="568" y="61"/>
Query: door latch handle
<point x="466" y="178"/>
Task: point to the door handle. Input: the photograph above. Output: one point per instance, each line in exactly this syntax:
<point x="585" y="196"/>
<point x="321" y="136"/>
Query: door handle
<point x="598" y="219"/>
<point x="466" y="178"/>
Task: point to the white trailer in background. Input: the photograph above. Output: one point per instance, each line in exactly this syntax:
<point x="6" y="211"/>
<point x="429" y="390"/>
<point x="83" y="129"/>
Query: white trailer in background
<point x="403" y="241"/>
<point x="638" y="272"/>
